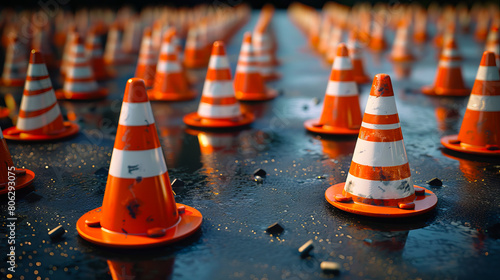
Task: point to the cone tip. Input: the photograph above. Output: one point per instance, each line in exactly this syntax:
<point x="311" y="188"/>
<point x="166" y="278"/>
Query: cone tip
<point x="382" y="85"/>
<point x="135" y="91"/>
<point x="218" y="48"/>
<point x="342" y="50"/>
<point x="247" y="37"/>
<point x="36" y="57"/>
<point x="488" y="59"/>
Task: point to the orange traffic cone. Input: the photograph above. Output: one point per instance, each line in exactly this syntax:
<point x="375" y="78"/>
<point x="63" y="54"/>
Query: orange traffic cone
<point x="449" y="81"/>
<point x="146" y="64"/>
<point x="335" y="40"/>
<point x="248" y="82"/>
<point x="377" y="39"/>
<point x="218" y="106"/>
<point x="79" y="81"/>
<point x="341" y="113"/>
<point x="493" y="44"/>
<point x="132" y="36"/>
<point x="16" y="63"/>
<point x="170" y="84"/>
<point x="138" y="208"/>
<point x="41" y="42"/>
<point x="194" y="51"/>
<point x="379" y="182"/>
<point x="93" y="51"/>
<point x="355" y="52"/>
<point x="401" y="49"/>
<point x="480" y="130"/>
<point x="70" y="38"/>
<point x="263" y="52"/>
<point x="113" y="52"/>
<point x="39" y="118"/>
<point x="420" y="27"/>
<point x="11" y="178"/>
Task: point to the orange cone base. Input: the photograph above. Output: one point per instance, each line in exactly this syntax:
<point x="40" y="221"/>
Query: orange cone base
<point x="171" y="96"/>
<point x="423" y="204"/>
<point x="268" y="95"/>
<point x="21" y="181"/>
<point x="12" y="133"/>
<point x="362" y="79"/>
<point x="314" y="126"/>
<point x="4" y="112"/>
<point x="101" y="93"/>
<point x="189" y="222"/>
<point x="431" y="90"/>
<point x="12" y="83"/>
<point x="193" y="119"/>
<point x="272" y="77"/>
<point x="451" y="142"/>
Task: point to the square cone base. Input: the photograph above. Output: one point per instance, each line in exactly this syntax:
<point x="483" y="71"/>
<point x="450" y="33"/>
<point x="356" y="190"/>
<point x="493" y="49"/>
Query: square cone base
<point x="89" y="229"/>
<point x="21" y="181"/>
<point x="451" y="142"/>
<point x="193" y="119"/>
<point x="431" y="90"/>
<point x="12" y="133"/>
<point x="162" y="96"/>
<point x="314" y="126"/>
<point x="101" y="93"/>
<point x="423" y="204"/>
<point x="268" y="95"/>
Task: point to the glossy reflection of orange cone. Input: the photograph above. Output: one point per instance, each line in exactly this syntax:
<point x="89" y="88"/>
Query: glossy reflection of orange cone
<point x="341" y="113"/>
<point x="379" y="182"/>
<point x="218" y="105"/>
<point x="480" y="130"/>
<point x="148" y="57"/>
<point x="449" y="80"/>
<point x="39" y="117"/>
<point x="138" y="208"/>
<point x="15" y="65"/>
<point x="23" y="177"/>
<point x="170" y="84"/>
<point x="356" y="54"/>
<point x="93" y="50"/>
<point x="248" y="82"/>
<point x="79" y="81"/>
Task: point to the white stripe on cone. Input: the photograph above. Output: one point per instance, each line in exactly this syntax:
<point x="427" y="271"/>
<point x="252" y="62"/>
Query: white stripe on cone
<point x="247" y="69"/>
<point x="218" y="89"/>
<point x="449" y="63"/>
<point x="135" y="114"/>
<point x="37" y="70"/>
<point x="379" y="190"/>
<point x="89" y="86"/>
<point x="381" y="126"/>
<point x="380" y="154"/>
<point x="37" y="102"/>
<point x="484" y="103"/>
<point x="218" y="62"/>
<point x="38" y="84"/>
<point x="218" y="111"/>
<point x="38" y="121"/>
<point x="168" y="49"/>
<point x="79" y="72"/>
<point x="336" y="88"/>
<point x="133" y="164"/>
<point x="168" y="67"/>
<point x="342" y="63"/>
<point x="487" y="73"/>
<point x="383" y="105"/>
<point x="451" y="52"/>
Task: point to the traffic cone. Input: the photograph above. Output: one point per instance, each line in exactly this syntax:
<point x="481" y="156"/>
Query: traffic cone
<point x="355" y="52"/>
<point x="480" y="130"/>
<point x="401" y="49"/>
<point x="493" y="43"/>
<point x="39" y="117"/>
<point x="335" y="40"/>
<point x="41" y="43"/>
<point x="420" y="27"/>
<point x="10" y="176"/>
<point x="138" y="208"/>
<point x="379" y="182"/>
<point x="70" y="38"/>
<point x="113" y="52"/>
<point x="263" y="52"/>
<point x="194" y="51"/>
<point x="218" y="106"/>
<point x="248" y="82"/>
<point x="94" y="53"/>
<point x="341" y="113"/>
<point x="132" y="36"/>
<point x="16" y="63"/>
<point x="146" y="64"/>
<point x="79" y="81"/>
<point x="377" y="39"/>
<point x="449" y="81"/>
<point x="170" y="84"/>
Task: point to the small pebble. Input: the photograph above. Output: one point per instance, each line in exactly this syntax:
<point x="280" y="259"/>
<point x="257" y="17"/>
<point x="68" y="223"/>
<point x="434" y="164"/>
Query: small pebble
<point x="305" y="107"/>
<point x="181" y="210"/>
<point x="435" y="182"/>
<point x="330" y="267"/>
<point x="177" y="183"/>
<point x="316" y="100"/>
<point x="260" y="172"/>
<point x="57" y="232"/>
<point x="321" y="177"/>
<point x="306" y="248"/>
<point x="258" y="179"/>
<point x="275" y="229"/>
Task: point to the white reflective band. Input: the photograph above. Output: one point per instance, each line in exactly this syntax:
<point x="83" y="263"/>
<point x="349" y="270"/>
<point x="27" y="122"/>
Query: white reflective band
<point x="37" y="102"/>
<point x="168" y="67"/>
<point x="79" y="72"/>
<point x="82" y="87"/>
<point x="342" y="63"/>
<point x="79" y="60"/>
<point x="449" y="63"/>
<point x="246" y="58"/>
<point x="381" y="126"/>
<point x="218" y="89"/>
<point x="133" y="164"/>
<point x="94" y="53"/>
<point x="379" y="189"/>
<point x="167" y="48"/>
<point x="218" y="111"/>
<point x="487" y="73"/>
<point x="38" y="84"/>
<point x="77" y="49"/>
<point x="484" y="103"/>
<point x="383" y="105"/>
<point x="37" y="70"/>
<point x="336" y="88"/>
<point x="38" y="121"/>
<point x="247" y="69"/>
<point x="136" y="114"/>
<point x="450" y="52"/>
<point x="379" y="153"/>
<point x="246" y="47"/>
<point x="218" y="62"/>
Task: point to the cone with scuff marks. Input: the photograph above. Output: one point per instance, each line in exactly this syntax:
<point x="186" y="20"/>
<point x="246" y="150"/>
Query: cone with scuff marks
<point x="23" y="177"/>
<point x="15" y="65"/>
<point x="218" y="105"/>
<point x="94" y="53"/>
<point x="356" y="54"/>
<point x="248" y="82"/>
<point x="79" y="81"/>
<point x="449" y="80"/>
<point x="170" y="84"/>
<point x="379" y="182"/>
<point x="39" y="117"/>
<point x="480" y="130"/>
<point x="146" y="64"/>
<point x="341" y="113"/>
<point x="138" y="208"/>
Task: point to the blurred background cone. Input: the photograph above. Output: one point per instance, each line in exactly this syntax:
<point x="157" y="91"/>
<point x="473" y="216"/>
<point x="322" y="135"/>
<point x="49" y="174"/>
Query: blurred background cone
<point x="15" y="65"/>
<point x="148" y="57"/>
<point x="94" y="53"/>
<point x="356" y="54"/>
